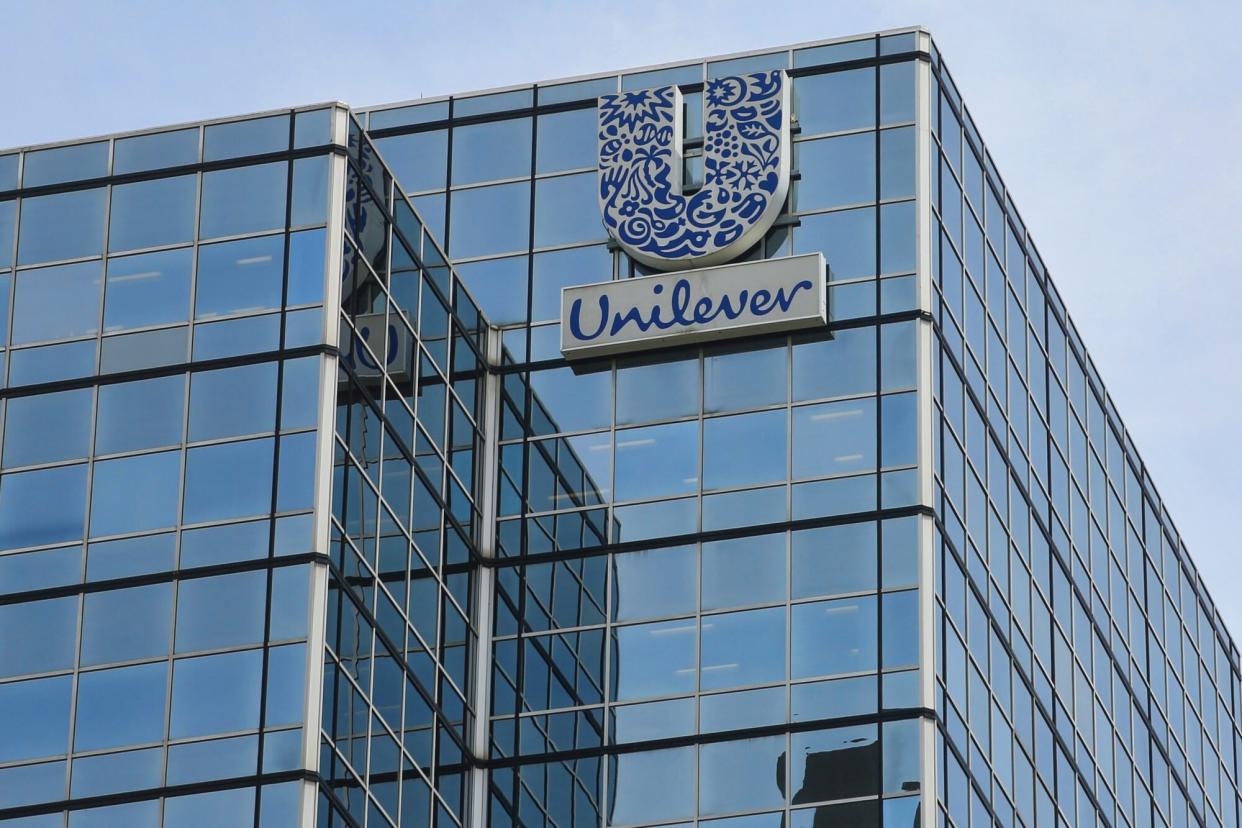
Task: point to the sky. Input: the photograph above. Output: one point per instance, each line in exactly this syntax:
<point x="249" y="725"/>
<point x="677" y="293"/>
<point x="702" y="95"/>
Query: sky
<point x="1115" y="125"/>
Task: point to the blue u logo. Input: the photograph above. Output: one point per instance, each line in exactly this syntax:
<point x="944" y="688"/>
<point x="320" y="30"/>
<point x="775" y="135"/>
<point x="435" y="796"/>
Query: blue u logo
<point x="746" y="170"/>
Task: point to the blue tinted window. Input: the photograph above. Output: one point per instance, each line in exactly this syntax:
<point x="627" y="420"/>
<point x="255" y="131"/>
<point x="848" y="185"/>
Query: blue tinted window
<point x="47" y="427"/>
<point x="834" y="438"/>
<point x="744" y="449"/>
<point x="121" y="707"/>
<point x="40" y="507"/>
<point x="56" y="302"/>
<point x="657" y="461"/>
<point x="34" y="717"/>
<point x="566" y="210"/>
<point x="152" y="152"/>
<point x="897" y="237"/>
<point x="834" y="560"/>
<point x="8" y="171"/>
<point x="132" y="556"/>
<point x="740" y="648"/>
<point x="748" y="377"/>
<point x="40" y="570"/>
<point x="310" y="191"/>
<point x="286" y="684"/>
<point x="562" y="268"/>
<point x="152" y="213"/>
<point x="653" y="785"/>
<point x="836" y="171"/>
<point x="239" y="276"/>
<point x="215" y="759"/>
<point x="655" y="582"/>
<point x="54" y="362"/>
<point x="306" y="268"/>
<point x="846" y="238"/>
<point x="567" y="140"/>
<point x="499" y="285"/>
<point x="312" y="128"/>
<point x="227" y="481"/>
<point x="655" y="660"/>
<point x="418" y="160"/>
<point x="253" y="137"/>
<point x="835" y="53"/>
<point x="657" y="390"/>
<point x="490" y="220"/>
<point x="149" y="289"/>
<point x="125" y="624"/>
<point x="247" y="335"/>
<point x="742" y="775"/>
<point x="143" y="414"/>
<point x="897" y="92"/>
<point x="134" y="494"/>
<point x="8" y="215"/>
<point x="220" y="544"/>
<point x="744" y="571"/>
<point x="37" y="636"/>
<point x="850" y="623"/>
<point x="299" y="400"/>
<point x="131" y="814"/>
<point x="837" y="367"/>
<point x="233" y="401"/>
<point x="297" y="472"/>
<point x="234" y="806"/>
<point x="835" y="101"/>
<point x="243" y="200"/>
<point x="73" y="163"/>
<point x="224" y="611"/>
<point x="216" y="694"/>
<point x="897" y="157"/>
<point x="485" y="152"/>
<point x="62" y="226"/>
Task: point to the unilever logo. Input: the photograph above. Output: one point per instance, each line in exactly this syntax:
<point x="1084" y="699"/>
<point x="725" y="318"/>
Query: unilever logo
<point x="746" y="170"/>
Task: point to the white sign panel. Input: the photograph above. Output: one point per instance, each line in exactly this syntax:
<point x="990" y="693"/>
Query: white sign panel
<point x="679" y="308"/>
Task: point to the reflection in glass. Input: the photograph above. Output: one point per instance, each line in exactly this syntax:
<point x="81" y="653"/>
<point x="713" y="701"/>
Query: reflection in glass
<point x="47" y="427"/>
<point x="833" y="438"/>
<point x="744" y="571"/>
<point x="152" y="213"/>
<point x="660" y="390"/>
<point x="134" y="494"/>
<point x="657" y="461"/>
<point x="651" y="786"/>
<point x="745" y="449"/>
<point x="148" y="289"/>
<point x="56" y="302"/>
<point x="745" y="775"/>
<point x="655" y="659"/>
<point x="741" y="648"/>
<point x="239" y="276"/>
<point x="119" y="707"/>
<point x="44" y="506"/>
<point x="62" y="226"/>
<point x="850" y="623"/>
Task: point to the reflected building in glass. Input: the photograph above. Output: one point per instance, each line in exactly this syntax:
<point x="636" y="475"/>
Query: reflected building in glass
<point x="305" y="521"/>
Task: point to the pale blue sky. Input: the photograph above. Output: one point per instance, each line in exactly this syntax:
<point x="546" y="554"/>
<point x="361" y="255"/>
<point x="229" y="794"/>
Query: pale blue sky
<point x="1116" y="126"/>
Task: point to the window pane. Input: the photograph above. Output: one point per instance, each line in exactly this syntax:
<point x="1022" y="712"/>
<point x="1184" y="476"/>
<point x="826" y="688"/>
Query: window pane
<point x="746" y="775"/>
<point x="243" y="200"/>
<point x="657" y="461"/>
<point x="62" y="226"/>
<point x="897" y="157"/>
<point x="499" y="286"/>
<point x="566" y="210"/>
<point x="567" y="140"/>
<point x="233" y="401"/>
<point x="897" y="237"/>
<point x="741" y="648"/>
<point x="655" y="660"/>
<point x="489" y="220"/>
<point x="72" y="163"/>
<point x="216" y="694"/>
<point x="150" y="289"/>
<point x="650" y="786"/>
<point x="484" y="152"/>
<point x="418" y="159"/>
<point x="744" y="571"/>
<point x="135" y="415"/>
<point x="850" y="623"/>
<point x="121" y="707"/>
<point x="833" y="438"/>
<point x="251" y="137"/>
<point x="41" y="570"/>
<point x="227" y="481"/>
<point x="34" y="717"/>
<point x="654" y="582"/>
<point x="222" y="544"/>
<point x="53" y="362"/>
<point x="837" y="367"/>
<point x="897" y="92"/>
<point x="900" y="437"/>
<point x="562" y="268"/>
<point x="151" y="152"/>
<point x="846" y="238"/>
<point x="745" y="449"/>
<point x="37" y="636"/>
<point x="657" y="390"/>
<point x="134" y="494"/>
<point x="152" y="213"/>
<point x="239" y="276"/>
<point x="225" y="611"/>
<point x="836" y="171"/>
<point x="834" y="560"/>
<point x="835" y="101"/>
<point x="569" y="401"/>
<point x="131" y="556"/>
<point x="840" y="763"/>
<point x="749" y="377"/>
<point x="306" y="268"/>
<point x="8" y="215"/>
<point x="47" y="427"/>
<point x="56" y="302"/>
<point x="40" y="507"/>
<point x="310" y="191"/>
<point x="125" y="624"/>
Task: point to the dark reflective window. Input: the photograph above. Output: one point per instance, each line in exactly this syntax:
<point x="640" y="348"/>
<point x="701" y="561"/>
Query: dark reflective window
<point x="655" y="659"/>
<point x="56" y="302"/>
<point x="240" y="276"/>
<point x="840" y="763"/>
<point x="125" y="624"/>
<point x="740" y="648"/>
<point x="148" y="289"/>
<point x="484" y="152"/>
<point x="44" y="506"/>
<point x="224" y="611"/>
<point x="34" y="716"/>
<point x="834" y="560"/>
<point x="253" y="137"/>
<point x="61" y="226"/>
<point x="227" y="481"/>
<point x="850" y="623"/>
<point x="745" y="449"/>
<point x="835" y="101"/>
<point x="37" y="636"/>
<point x="489" y="220"/>
<point x="134" y="494"/>
<point x="152" y="152"/>
<point x="47" y="427"/>
<point x="243" y="200"/>
<point x="216" y="694"/>
<point x="418" y="160"/>
<point x="657" y="390"/>
<point x="558" y="269"/>
<point x="654" y="785"/>
<point x="119" y="707"/>
<point x="655" y="582"/>
<point x="233" y="401"/>
<point x="744" y="775"/>
<point x="744" y="571"/>
<point x="567" y="140"/>
<point x="152" y="213"/>
<point x="566" y="210"/>
<point x="657" y="460"/>
<point x="144" y="414"/>
<point x="72" y="163"/>
<point x="836" y="171"/>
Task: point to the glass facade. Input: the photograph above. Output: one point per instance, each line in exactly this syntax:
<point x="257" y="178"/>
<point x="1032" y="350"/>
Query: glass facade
<point x="293" y="532"/>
